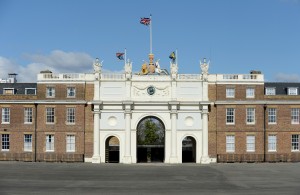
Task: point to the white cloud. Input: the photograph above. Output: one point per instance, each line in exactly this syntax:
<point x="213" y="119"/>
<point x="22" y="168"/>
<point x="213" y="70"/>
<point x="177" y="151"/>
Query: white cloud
<point x="287" y="77"/>
<point x="57" y="61"/>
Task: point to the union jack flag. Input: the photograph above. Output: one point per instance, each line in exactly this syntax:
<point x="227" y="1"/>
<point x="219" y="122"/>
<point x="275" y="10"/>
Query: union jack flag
<point x="145" y="21"/>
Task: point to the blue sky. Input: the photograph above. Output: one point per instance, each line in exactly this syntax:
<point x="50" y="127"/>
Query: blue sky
<point x="66" y="36"/>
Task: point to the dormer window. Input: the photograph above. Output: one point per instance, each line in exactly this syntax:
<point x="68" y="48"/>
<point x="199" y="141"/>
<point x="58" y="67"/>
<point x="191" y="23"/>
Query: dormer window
<point x="30" y="91"/>
<point x="292" y="91"/>
<point x="8" y="91"/>
<point x="270" y="91"/>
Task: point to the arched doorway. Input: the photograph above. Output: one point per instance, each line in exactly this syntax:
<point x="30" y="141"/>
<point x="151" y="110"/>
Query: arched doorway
<point x="150" y="140"/>
<point x="188" y="150"/>
<point x="112" y="150"/>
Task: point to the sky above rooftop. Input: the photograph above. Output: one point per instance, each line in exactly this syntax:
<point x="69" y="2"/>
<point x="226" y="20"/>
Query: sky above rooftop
<point x="66" y="36"/>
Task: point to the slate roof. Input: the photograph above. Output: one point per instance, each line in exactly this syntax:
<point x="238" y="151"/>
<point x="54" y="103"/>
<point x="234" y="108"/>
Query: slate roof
<point x="18" y="87"/>
<point x="282" y="87"/>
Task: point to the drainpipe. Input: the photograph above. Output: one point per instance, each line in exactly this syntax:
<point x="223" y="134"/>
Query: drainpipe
<point x="35" y="129"/>
<point x="264" y="135"/>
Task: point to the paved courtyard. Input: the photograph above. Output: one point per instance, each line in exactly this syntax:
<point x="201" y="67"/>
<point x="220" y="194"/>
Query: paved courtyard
<point x="86" y="178"/>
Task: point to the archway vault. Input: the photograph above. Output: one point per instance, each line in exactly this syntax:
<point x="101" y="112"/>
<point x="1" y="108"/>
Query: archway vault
<point x="150" y="140"/>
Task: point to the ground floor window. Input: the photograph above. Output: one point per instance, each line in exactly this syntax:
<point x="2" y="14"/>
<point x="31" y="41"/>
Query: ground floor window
<point x="70" y="143"/>
<point x="49" y="143"/>
<point x="272" y="142"/>
<point x="250" y="143"/>
<point x="5" y="142"/>
<point x="28" y="142"/>
<point x="295" y="142"/>
<point x="230" y="143"/>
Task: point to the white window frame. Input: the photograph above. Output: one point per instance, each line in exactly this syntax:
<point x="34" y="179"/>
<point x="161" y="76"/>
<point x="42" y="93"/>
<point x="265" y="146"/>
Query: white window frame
<point x="8" y="89"/>
<point x="230" y="116"/>
<point x="250" y="116"/>
<point x="230" y="143"/>
<point x="71" y="92"/>
<point x="5" y="143"/>
<point x="270" y="91"/>
<point x="70" y="143"/>
<point x="27" y="142"/>
<point x="272" y="116"/>
<point x="250" y="92"/>
<point x="71" y="115"/>
<point x="250" y="143"/>
<point x="292" y="91"/>
<point x="230" y="92"/>
<point x="50" y="92"/>
<point x="28" y="113"/>
<point x="49" y="143"/>
<point x="295" y="143"/>
<point x="272" y="143"/>
<point x="50" y="115"/>
<point x="295" y="115"/>
<point x="5" y="115"/>
<point x="26" y="89"/>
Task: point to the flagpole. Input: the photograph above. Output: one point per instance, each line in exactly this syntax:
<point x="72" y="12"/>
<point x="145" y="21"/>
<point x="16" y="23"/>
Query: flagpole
<point x="176" y="56"/>
<point x="150" y="34"/>
<point x="125" y="57"/>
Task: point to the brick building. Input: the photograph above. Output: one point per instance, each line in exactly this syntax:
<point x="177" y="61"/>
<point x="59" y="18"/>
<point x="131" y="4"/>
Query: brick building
<point x="97" y="117"/>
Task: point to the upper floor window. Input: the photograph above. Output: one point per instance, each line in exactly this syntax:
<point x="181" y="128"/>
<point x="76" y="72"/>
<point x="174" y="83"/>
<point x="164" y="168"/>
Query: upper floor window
<point x="270" y="91"/>
<point x="250" y="115"/>
<point x="230" y="92"/>
<point x="8" y="91"/>
<point x="229" y="115"/>
<point x="250" y="92"/>
<point x="5" y="115"/>
<point x="292" y="91"/>
<point x="71" y="115"/>
<point x="272" y="112"/>
<point x="295" y="115"/>
<point x="30" y="91"/>
<point x="27" y="115"/>
<point x="50" y="92"/>
<point x="71" y="92"/>
<point x="50" y="115"/>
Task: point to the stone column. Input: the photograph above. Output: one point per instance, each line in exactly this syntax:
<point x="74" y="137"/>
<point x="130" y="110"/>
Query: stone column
<point x="174" y="157"/>
<point x="127" y="158"/>
<point x="205" y="158"/>
<point x="96" y="155"/>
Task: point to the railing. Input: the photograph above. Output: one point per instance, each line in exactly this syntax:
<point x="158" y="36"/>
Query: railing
<point x="65" y="76"/>
<point x="188" y="76"/>
<point x="112" y="76"/>
<point x="240" y="77"/>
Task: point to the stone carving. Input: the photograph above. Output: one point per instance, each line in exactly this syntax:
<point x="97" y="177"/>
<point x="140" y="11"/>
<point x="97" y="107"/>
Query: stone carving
<point x="128" y="67"/>
<point x="204" y="68"/>
<point x="174" y="68"/>
<point x="97" y="66"/>
<point x="141" y="91"/>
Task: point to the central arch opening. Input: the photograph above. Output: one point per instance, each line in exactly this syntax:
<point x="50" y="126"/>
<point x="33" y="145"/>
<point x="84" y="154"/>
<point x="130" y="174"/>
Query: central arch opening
<point x="150" y="140"/>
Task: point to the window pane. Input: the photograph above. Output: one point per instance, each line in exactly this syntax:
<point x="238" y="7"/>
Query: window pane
<point x="272" y="115"/>
<point x="49" y="143"/>
<point x="5" y="115"/>
<point x="295" y="115"/>
<point x="230" y="143"/>
<point x="250" y="115"/>
<point x="250" y="143"/>
<point x="71" y="115"/>
<point x="295" y="142"/>
<point x="27" y="115"/>
<point x="230" y="115"/>
<point x="70" y="140"/>
<point x="230" y="92"/>
<point x="272" y="143"/>
<point x="5" y="142"/>
<point x="28" y="142"/>
<point x="49" y="115"/>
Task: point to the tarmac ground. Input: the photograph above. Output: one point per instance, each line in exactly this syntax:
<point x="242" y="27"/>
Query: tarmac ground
<point x="156" y="178"/>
